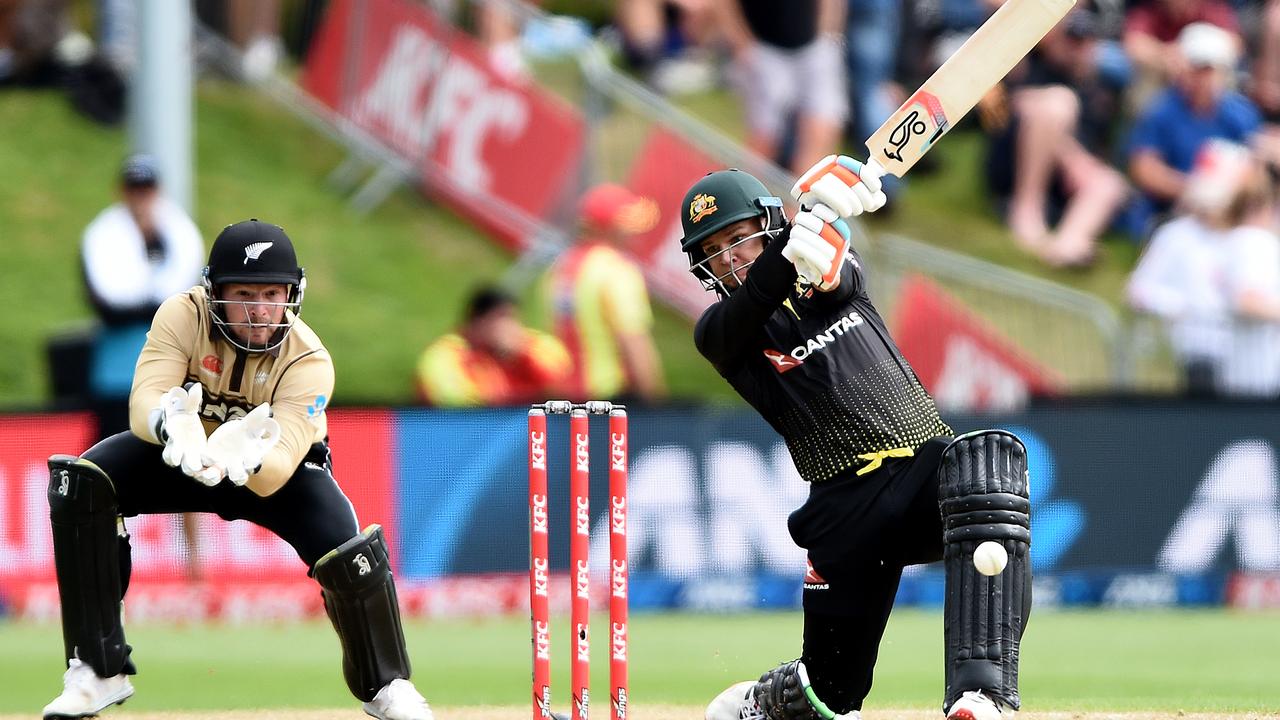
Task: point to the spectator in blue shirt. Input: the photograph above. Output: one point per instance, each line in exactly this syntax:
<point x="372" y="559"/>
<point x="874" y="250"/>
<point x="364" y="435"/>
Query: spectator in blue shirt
<point x="1200" y="105"/>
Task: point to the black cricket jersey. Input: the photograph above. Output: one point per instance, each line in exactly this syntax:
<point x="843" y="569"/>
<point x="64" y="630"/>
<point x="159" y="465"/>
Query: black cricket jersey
<point x="819" y="367"/>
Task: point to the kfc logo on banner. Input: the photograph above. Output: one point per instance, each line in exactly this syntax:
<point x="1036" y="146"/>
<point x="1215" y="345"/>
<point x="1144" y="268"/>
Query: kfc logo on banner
<point x="962" y="361"/>
<point x="399" y="73"/>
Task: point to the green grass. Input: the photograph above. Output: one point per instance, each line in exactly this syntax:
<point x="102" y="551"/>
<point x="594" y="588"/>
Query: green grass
<point x="380" y="286"/>
<point x="1118" y="660"/>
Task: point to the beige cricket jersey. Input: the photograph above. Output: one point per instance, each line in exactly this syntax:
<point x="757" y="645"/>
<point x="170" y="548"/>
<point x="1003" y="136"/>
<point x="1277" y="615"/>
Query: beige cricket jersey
<point x="296" y="378"/>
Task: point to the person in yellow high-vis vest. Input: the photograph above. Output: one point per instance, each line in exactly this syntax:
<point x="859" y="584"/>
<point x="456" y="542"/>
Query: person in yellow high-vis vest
<point x="491" y="359"/>
<point x="599" y="305"/>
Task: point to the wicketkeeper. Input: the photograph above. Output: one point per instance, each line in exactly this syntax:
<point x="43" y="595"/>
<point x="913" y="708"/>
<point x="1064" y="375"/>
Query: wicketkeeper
<point x="795" y="333"/>
<point x="227" y="416"/>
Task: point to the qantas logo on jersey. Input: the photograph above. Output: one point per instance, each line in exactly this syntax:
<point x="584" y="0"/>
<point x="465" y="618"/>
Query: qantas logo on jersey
<point x="782" y="362"/>
<point x="812" y="580"/>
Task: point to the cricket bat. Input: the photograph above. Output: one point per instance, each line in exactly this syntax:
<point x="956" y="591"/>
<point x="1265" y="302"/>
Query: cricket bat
<point x="953" y="89"/>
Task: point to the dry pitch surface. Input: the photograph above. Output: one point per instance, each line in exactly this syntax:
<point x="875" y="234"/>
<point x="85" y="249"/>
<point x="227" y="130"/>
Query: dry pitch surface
<point x="647" y="712"/>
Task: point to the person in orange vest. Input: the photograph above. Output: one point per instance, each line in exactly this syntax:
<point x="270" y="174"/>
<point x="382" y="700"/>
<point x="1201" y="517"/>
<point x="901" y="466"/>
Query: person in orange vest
<point x="492" y="359"/>
<point x="599" y="305"/>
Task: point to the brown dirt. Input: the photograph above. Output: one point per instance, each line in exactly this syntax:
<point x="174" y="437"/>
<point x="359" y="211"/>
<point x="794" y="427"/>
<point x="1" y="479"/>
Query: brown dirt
<point x="645" y="712"/>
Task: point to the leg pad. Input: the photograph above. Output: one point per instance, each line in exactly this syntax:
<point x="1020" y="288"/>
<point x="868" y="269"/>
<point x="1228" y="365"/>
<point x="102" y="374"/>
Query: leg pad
<point x="984" y="497"/>
<point x="360" y="598"/>
<point x="88" y="552"/>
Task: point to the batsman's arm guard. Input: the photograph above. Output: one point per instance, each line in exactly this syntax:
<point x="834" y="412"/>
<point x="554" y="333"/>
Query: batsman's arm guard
<point x="360" y="597"/>
<point x="91" y="562"/>
<point x="985" y="496"/>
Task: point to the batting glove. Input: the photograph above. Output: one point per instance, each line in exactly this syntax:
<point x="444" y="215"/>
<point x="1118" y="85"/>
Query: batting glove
<point x="818" y="246"/>
<point x="181" y="429"/>
<point x="237" y="447"/>
<point x="843" y="184"/>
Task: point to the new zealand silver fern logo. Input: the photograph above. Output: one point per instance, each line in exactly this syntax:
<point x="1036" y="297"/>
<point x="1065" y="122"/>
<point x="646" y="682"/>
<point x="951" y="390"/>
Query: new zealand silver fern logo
<point x="253" y="251"/>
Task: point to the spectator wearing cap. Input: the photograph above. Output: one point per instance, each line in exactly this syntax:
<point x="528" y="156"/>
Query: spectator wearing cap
<point x="598" y="304"/>
<point x="134" y="255"/>
<point x="1151" y="32"/>
<point x="1044" y="159"/>
<point x="492" y="358"/>
<point x="1171" y="131"/>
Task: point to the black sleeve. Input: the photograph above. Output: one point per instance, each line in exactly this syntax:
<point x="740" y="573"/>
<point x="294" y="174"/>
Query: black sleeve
<point x="726" y="328"/>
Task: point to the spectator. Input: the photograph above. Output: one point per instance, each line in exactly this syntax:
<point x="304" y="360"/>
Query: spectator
<point x="872" y="33"/>
<point x="1042" y="161"/>
<point x="599" y="305"/>
<point x="30" y="31"/>
<point x="1181" y="276"/>
<point x="135" y="254"/>
<point x="660" y="40"/>
<point x="1170" y="132"/>
<point x="253" y="26"/>
<point x="1252" y="274"/>
<point x="787" y="67"/>
<point x="492" y="359"/>
<point x="1151" y="40"/>
<point x="1265" y="86"/>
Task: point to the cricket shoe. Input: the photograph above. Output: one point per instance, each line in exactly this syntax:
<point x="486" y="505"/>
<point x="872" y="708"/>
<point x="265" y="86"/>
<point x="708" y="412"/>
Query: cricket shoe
<point x="84" y="694"/>
<point x="398" y="700"/>
<point x="738" y="703"/>
<point x="735" y="703"/>
<point x="977" y="705"/>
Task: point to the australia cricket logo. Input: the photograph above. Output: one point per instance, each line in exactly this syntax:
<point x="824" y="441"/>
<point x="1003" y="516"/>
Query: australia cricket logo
<point x="923" y="106"/>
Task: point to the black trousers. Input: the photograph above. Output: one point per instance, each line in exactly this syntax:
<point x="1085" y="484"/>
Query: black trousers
<point x="860" y="532"/>
<point x="310" y="512"/>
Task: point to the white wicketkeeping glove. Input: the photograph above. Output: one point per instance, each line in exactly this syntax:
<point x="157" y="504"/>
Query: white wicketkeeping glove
<point x="818" y="246"/>
<point x="843" y="184"/>
<point x="181" y="429"/>
<point x="237" y="447"/>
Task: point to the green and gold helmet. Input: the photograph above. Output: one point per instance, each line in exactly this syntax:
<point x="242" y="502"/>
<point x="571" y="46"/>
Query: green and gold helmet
<point x="717" y="201"/>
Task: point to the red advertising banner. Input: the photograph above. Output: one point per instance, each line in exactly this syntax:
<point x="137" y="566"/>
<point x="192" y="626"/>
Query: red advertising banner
<point x="666" y="168"/>
<point x="237" y="570"/>
<point x="962" y="361"/>
<point x="396" y="71"/>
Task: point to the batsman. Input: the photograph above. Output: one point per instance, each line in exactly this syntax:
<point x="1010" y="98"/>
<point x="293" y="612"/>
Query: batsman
<point x="795" y="333"/>
<point x="227" y="416"/>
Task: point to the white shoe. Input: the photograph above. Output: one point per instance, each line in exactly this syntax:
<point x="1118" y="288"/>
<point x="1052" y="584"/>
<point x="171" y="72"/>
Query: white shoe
<point x="735" y="703"/>
<point x="398" y="700"/>
<point x="977" y="705"/>
<point x="84" y="694"/>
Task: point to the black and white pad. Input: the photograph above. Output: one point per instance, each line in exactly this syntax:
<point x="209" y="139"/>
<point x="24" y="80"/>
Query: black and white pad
<point x="87" y="558"/>
<point x="360" y="597"/>
<point x="984" y="496"/>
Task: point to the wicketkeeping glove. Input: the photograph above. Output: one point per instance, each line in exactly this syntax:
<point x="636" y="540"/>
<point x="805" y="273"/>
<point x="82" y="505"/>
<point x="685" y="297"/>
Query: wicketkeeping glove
<point x="843" y="184"/>
<point x="237" y="447"/>
<point x="180" y="428"/>
<point x="818" y="246"/>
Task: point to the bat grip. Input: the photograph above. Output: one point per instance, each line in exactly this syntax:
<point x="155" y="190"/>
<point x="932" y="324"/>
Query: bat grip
<point x="875" y="167"/>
